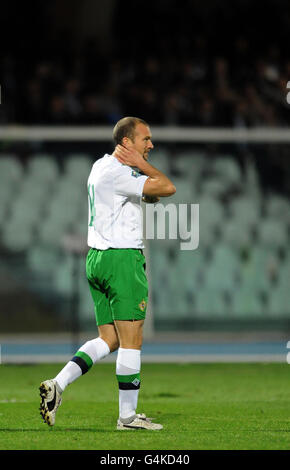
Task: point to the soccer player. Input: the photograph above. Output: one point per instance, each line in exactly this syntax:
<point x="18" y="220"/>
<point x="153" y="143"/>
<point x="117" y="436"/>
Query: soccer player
<point x="115" y="269"/>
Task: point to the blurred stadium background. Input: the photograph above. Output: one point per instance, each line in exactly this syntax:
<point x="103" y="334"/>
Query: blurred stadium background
<point x="215" y="92"/>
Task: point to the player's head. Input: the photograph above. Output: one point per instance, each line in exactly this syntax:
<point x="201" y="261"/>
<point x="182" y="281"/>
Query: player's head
<point x="132" y="131"/>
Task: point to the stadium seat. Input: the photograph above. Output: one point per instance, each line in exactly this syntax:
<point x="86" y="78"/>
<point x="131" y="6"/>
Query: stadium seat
<point x="6" y="189"/>
<point x="160" y="158"/>
<point x="43" y="167"/>
<point x="185" y="192"/>
<point x="163" y="291"/>
<point x="236" y="234"/>
<point x="159" y="261"/>
<point x="86" y="307"/>
<point x="68" y="199"/>
<point x="228" y="171"/>
<point x="25" y="212"/>
<point x="257" y="274"/>
<point x="260" y="268"/>
<point x="52" y="231"/>
<point x="174" y="288"/>
<point x="246" y="210"/>
<point x="66" y="184"/>
<point x="207" y="236"/>
<point x="6" y="197"/>
<point x="189" y="165"/>
<point x="80" y="224"/>
<point x="213" y="187"/>
<point x="42" y="259"/>
<point x="161" y="301"/>
<point x="246" y="302"/>
<point x="223" y="268"/>
<point x="63" y="277"/>
<point x="62" y="212"/>
<point x="211" y="218"/>
<point x="279" y="301"/>
<point x="3" y="215"/>
<point x="252" y="184"/>
<point x="211" y="211"/>
<point x="11" y="169"/>
<point x="273" y="234"/>
<point x="35" y="192"/>
<point x="77" y="167"/>
<point x="209" y="303"/>
<point x="277" y="207"/>
<point x="284" y="273"/>
<point x="17" y="236"/>
<point x="190" y="266"/>
<point x="72" y="199"/>
<point x="183" y="308"/>
<point x="70" y="193"/>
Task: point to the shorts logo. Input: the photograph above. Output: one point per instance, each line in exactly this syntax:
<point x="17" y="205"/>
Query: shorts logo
<point x="142" y="305"/>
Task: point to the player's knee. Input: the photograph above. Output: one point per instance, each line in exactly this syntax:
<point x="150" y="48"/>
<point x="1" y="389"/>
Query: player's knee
<point x="137" y="344"/>
<point x="113" y="343"/>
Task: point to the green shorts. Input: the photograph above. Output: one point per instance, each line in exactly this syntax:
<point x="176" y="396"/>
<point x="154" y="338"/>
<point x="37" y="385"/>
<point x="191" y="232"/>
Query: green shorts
<point x="118" y="284"/>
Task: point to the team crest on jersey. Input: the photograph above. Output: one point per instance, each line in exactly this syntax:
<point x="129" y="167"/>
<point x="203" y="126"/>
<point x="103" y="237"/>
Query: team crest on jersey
<point x="142" y="305"/>
<point x="135" y="173"/>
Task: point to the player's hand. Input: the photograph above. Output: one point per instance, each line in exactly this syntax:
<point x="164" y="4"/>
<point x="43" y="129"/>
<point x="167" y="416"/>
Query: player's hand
<point x="128" y="156"/>
<point x="151" y="199"/>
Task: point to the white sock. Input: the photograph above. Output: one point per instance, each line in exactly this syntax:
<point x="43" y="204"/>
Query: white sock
<point x="68" y="374"/>
<point x="128" y="367"/>
<point x="91" y="352"/>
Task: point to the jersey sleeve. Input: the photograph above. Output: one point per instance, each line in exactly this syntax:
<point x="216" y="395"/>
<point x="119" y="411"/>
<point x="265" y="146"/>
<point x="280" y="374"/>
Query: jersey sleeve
<point x="129" y="182"/>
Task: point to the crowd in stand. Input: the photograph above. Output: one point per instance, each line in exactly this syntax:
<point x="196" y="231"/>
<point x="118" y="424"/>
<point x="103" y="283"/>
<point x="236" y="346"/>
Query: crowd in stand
<point x="172" y="74"/>
<point x="191" y="92"/>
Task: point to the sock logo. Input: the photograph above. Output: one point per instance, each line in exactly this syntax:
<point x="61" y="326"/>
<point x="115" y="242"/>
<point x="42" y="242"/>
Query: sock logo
<point x="129" y="382"/>
<point x="136" y="382"/>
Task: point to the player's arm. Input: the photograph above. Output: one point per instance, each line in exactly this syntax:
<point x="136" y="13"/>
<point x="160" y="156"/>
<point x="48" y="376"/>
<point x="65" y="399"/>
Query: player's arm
<point x="157" y="183"/>
<point x="150" y="199"/>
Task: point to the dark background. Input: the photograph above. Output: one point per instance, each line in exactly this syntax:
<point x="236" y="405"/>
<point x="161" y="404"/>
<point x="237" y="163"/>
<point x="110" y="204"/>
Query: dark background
<point x="208" y="63"/>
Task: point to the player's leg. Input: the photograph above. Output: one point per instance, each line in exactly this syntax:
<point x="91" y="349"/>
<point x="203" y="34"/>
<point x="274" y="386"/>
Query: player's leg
<point x="89" y="353"/>
<point x="129" y="295"/>
<point x="92" y="351"/>
<point x="128" y="366"/>
<point x="96" y="349"/>
<point x="130" y="333"/>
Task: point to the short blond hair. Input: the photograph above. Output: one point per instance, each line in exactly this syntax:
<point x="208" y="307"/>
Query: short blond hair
<point x="125" y="127"/>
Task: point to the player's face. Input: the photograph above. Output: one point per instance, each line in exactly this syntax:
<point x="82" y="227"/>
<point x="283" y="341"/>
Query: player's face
<point x="142" y="141"/>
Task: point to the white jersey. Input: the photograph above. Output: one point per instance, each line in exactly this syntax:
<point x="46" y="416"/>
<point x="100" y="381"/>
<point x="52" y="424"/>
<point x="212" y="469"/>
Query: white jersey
<point x="115" y="213"/>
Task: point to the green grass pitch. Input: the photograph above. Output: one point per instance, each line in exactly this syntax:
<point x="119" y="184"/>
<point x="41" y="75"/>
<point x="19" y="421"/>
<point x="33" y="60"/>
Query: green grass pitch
<point x="201" y="406"/>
